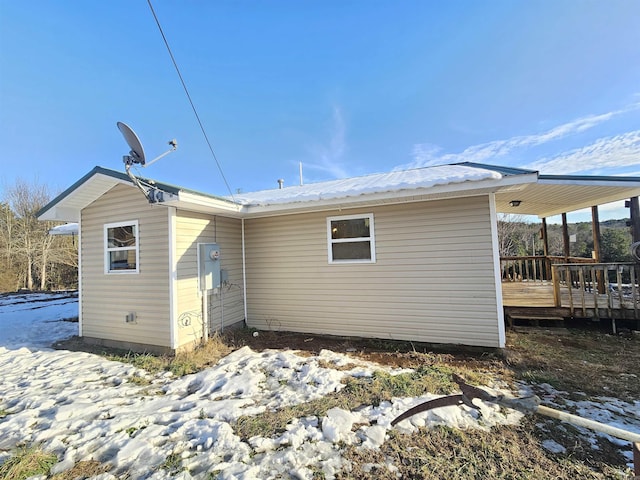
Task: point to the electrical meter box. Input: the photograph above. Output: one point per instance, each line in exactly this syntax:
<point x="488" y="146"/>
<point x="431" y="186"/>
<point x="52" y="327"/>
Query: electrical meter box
<point x="208" y="266"/>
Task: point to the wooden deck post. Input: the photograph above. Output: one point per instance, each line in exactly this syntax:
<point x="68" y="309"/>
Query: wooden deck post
<point x="634" y="217"/>
<point x="565" y="238"/>
<point x="555" y="278"/>
<point x="634" y="211"/>
<point x="545" y="247"/>
<point x="595" y="227"/>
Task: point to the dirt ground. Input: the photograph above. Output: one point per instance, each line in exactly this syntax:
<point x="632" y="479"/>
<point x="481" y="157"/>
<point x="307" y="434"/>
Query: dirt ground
<point x="385" y="352"/>
<point x="589" y="360"/>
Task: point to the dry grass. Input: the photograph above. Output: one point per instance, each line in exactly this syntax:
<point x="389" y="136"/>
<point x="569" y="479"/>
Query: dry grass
<point x="357" y="392"/>
<point x="183" y="363"/>
<point x="502" y="453"/>
<point x="592" y="362"/>
<point x="202" y="357"/>
<point x="27" y="462"/>
<point x="82" y="470"/>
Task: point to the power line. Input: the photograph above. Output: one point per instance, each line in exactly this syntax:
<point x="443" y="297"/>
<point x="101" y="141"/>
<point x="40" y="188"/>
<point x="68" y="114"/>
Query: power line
<point x="186" y="91"/>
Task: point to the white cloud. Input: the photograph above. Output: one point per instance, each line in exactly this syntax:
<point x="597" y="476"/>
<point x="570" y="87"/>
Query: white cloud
<point x="426" y="154"/>
<point x="329" y="156"/>
<point x="605" y="153"/>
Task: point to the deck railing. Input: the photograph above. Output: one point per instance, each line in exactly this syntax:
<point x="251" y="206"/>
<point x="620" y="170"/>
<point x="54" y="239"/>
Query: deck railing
<point x="600" y="287"/>
<point x="534" y="268"/>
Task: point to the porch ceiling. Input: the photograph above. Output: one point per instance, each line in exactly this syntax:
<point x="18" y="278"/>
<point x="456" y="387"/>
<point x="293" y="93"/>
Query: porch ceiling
<point x="553" y="195"/>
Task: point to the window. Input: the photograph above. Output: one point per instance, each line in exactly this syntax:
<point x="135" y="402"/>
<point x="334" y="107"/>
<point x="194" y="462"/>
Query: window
<point x="121" y="247"/>
<point x="351" y="239"/>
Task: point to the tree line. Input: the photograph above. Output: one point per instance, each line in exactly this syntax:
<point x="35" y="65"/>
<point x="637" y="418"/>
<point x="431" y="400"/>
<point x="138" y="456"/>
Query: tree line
<point x="518" y="238"/>
<point x="30" y="258"/>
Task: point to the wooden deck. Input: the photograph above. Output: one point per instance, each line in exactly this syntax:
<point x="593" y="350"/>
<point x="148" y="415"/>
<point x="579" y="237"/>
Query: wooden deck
<point x="526" y="294"/>
<point x="542" y="295"/>
<point x="576" y="292"/>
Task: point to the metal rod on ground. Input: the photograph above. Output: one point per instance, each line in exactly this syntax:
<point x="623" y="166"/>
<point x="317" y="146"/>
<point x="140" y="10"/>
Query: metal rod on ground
<point x="592" y="424"/>
<point x="634" y="438"/>
<point x="530" y="404"/>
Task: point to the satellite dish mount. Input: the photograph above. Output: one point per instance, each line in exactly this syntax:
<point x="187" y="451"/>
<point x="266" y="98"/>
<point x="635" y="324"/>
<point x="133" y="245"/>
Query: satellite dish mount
<point x="137" y="157"/>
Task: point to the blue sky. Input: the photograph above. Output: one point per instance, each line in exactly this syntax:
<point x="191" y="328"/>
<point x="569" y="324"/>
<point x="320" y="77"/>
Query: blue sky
<point x="345" y="87"/>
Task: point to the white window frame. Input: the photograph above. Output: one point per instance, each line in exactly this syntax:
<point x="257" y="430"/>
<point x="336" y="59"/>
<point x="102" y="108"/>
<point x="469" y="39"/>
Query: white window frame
<point x="370" y="239"/>
<point x="107" y="249"/>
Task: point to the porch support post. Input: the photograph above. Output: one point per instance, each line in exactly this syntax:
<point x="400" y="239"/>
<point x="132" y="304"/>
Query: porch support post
<point x="565" y="238"/>
<point x="595" y="226"/>
<point x="545" y="246"/>
<point x="634" y="211"/>
<point x="634" y="217"/>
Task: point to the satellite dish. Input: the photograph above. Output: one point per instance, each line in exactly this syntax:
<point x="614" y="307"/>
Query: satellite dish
<point x="136" y="155"/>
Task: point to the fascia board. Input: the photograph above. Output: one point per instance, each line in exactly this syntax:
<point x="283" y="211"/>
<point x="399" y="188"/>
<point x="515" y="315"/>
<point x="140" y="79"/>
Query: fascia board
<point x="595" y="182"/>
<point x="67" y="206"/>
<point x="188" y="201"/>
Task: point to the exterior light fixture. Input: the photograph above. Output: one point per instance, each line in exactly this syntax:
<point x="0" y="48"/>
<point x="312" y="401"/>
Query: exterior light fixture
<point x="515" y="203"/>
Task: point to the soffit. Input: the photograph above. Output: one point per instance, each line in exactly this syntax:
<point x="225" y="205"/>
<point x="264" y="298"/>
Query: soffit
<point x="548" y="198"/>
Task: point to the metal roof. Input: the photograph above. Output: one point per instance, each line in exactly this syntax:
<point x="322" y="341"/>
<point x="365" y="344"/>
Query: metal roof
<point x="541" y="195"/>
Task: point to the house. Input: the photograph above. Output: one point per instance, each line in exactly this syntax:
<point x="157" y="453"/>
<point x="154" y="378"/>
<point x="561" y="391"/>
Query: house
<point x="405" y="255"/>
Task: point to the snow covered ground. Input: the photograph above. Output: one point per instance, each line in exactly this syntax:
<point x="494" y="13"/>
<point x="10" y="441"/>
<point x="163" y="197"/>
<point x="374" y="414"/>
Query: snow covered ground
<point x="36" y="320"/>
<point x="84" y="407"/>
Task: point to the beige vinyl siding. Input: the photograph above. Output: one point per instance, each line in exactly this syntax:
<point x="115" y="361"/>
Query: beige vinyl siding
<point x="108" y="298"/>
<point x="191" y="229"/>
<point x="433" y="280"/>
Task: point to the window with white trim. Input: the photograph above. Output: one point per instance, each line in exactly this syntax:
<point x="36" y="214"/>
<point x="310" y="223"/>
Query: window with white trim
<point x="351" y="239"/>
<point x="121" y="247"/>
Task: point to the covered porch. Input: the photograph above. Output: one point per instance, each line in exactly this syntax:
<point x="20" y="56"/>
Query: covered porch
<point x="558" y="287"/>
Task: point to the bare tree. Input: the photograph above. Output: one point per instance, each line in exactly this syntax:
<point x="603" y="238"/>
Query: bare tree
<point x="8" y="273"/>
<point x="515" y="235"/>
<point x="27" y="244"/>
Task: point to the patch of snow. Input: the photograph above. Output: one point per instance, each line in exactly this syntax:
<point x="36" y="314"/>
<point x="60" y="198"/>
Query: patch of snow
<point x="337" y="425"/>
<point x="608" y="410"/>
<point x="553" y="446"/>
<point x="66" y="229"/>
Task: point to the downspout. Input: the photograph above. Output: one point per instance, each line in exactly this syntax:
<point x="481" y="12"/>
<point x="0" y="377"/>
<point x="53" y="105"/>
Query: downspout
<point x="497" y="274"/>
<point x="80" y="275"/>
<point x="173" y="279"/>
<point x="244" y="276"/>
